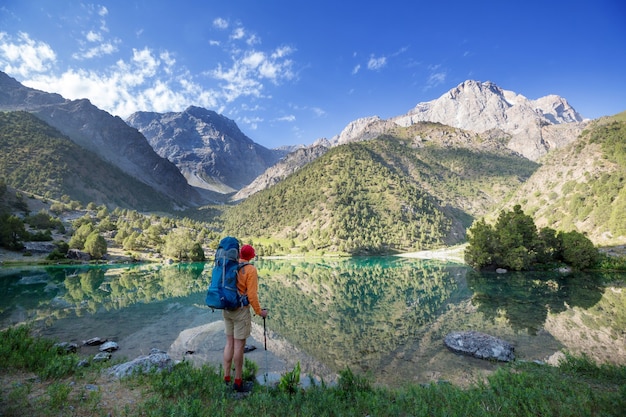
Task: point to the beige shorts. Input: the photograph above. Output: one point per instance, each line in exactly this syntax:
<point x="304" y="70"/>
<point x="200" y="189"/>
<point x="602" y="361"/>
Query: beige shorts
<point x="237" y="323"/>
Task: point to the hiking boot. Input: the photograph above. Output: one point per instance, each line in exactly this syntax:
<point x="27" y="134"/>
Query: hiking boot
<point x="246" y="386"/>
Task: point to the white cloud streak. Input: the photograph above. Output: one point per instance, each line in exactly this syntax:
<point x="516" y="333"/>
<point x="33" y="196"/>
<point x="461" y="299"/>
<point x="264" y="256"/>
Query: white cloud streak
<point x="376" y="64"/>
<point x="436" y="77"/>
<point x="147" y="80"/>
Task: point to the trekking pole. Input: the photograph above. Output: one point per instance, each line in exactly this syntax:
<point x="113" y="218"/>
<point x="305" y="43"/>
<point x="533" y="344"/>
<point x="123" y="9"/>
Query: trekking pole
<point x="265" y="340"/>
<point x="264" y="333"/>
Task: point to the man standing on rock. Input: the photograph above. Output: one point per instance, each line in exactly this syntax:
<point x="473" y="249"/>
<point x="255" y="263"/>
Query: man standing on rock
<point x="238" y="323"/>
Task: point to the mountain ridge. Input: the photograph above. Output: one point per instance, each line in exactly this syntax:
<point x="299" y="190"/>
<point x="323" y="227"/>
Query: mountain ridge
<point x="105" y="135"/>
<point x="531" y="128"/>
<point x="455" y="174"/>
<point x="208" y="148"/>
<point x="356" y="196"/>
<point x="484" y="106"/>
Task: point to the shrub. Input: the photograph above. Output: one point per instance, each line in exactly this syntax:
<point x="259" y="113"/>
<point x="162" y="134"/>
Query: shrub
<point x="577" y="250"/>
<point x="515" y="244"/>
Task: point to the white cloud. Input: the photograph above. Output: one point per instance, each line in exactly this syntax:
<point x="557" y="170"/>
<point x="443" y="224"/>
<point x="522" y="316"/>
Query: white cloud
<point x="147" y="80"/>
<point x="238" y="33"/>
<point x="169" y="62"/>
<point x="318" y="112"/>
<point x="96" y="51"/>
<point x="376" y="63"/>
<point x="282" y="52"/>
<point x="93" y="36"/>
<point x="436" y="76"/>
<point x="356" y="69"/>
<point x="24" y="56"/>
<point x="220" y="23"/>
<point x="287" y="118"/>
<point x="146" y="62"/>
<point x="95" y="44"/>
<point x="253" y="40"/>
<point x="252" y="122"/>
<point x="244" y="77"/>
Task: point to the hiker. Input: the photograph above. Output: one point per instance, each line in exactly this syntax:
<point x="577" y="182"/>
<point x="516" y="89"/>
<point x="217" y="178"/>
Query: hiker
<point x="239" y="322"/>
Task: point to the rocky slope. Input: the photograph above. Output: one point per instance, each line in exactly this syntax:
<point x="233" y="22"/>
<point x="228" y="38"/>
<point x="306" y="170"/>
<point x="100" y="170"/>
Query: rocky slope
<point x="208" y="148"/>
<point x="281" y="170"/>
<point x="477" y="106"/>
<point x="582" y="186"/>
<point x="107" y="136"/>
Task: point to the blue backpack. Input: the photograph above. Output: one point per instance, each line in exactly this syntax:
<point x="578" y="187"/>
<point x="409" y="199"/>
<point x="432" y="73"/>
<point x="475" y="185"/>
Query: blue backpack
<point x="222" y="293"/>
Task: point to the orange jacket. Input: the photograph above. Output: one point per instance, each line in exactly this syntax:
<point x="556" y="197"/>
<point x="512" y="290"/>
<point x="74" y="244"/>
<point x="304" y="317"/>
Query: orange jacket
<point x="248" y="283"/>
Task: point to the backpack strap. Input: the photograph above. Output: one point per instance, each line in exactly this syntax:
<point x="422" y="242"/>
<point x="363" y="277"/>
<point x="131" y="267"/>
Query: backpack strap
<point x="244" y="297"/>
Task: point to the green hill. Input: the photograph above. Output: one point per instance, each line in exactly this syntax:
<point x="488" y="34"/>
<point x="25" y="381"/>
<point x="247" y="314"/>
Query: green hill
<point x="36" y="158"/>
<point x="582" y="186"/>
<point x="418" y="188"/>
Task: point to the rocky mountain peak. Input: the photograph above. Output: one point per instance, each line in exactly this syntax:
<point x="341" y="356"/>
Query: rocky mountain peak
<point x="208" y="148"/>
<point x="483" y="106"/>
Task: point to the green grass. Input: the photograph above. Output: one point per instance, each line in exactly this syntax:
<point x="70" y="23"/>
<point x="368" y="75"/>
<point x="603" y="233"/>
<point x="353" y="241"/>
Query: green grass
<point x="578" y="387"/>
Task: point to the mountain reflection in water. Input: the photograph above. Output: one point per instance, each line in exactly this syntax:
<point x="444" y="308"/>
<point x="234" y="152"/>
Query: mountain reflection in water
<point x="385" y="317"/>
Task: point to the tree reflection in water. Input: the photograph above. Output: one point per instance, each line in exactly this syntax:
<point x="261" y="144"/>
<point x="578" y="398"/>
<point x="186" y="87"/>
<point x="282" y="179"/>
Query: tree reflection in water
<point x="352" y="313"/>
<point x="525" y="299"/>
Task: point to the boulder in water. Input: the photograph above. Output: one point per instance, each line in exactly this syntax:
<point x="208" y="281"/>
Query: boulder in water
<point x="480" y="345"/>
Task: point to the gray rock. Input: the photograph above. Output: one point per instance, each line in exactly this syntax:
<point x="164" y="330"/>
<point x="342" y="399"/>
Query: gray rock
<point x="156" y="360"/>
<point x="39" y="247"/>
<point x="94" y="341"/>
<point x="109" y="347"/>
<point x="83" y="363"/>
<point x="102" y="357"/>
<point x="66" y="347"/>
<point x="480" y="345"/>
<point x="78" y="255"/>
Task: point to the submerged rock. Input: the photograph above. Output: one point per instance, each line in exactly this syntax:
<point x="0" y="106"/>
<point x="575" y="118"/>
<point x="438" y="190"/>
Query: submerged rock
<point x="480" y="345"/>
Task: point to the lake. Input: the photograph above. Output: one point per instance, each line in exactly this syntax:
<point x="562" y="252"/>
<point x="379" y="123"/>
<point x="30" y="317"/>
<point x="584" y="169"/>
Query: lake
<point x="385" y="317"/>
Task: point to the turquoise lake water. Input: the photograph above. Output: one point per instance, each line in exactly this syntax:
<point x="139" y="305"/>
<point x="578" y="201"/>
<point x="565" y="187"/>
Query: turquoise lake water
<point x="384" y="317"/>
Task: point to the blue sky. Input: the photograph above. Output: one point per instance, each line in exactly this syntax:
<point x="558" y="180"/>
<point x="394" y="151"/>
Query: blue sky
<point x="291" y="72"/>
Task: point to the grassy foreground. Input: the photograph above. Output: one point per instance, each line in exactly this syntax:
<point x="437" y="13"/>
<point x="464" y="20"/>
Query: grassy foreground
<point x="36" y="380"/>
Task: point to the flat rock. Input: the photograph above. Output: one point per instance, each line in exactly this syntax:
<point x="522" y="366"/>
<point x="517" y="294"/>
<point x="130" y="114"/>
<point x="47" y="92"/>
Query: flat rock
<point x="156" y="360"/>
<point x="480" y="345"/>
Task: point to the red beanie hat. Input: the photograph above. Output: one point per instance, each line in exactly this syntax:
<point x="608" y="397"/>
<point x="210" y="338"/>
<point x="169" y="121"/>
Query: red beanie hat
<point x="247" y="252"/>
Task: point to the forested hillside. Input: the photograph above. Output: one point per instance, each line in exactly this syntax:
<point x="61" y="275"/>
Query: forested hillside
<point x="416" y="189"/>
<point x="36" y="158"/>
<point x="582" y="186"/>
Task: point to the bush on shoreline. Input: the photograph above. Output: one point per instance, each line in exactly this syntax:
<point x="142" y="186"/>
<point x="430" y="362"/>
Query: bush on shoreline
<point x="515" y="243"/>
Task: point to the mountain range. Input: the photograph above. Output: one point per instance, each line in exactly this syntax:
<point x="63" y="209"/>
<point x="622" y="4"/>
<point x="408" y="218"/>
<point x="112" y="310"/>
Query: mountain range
<point x="107" y="136"/>
<point x="464" y="155"/>
<point x="208" y="148"/>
